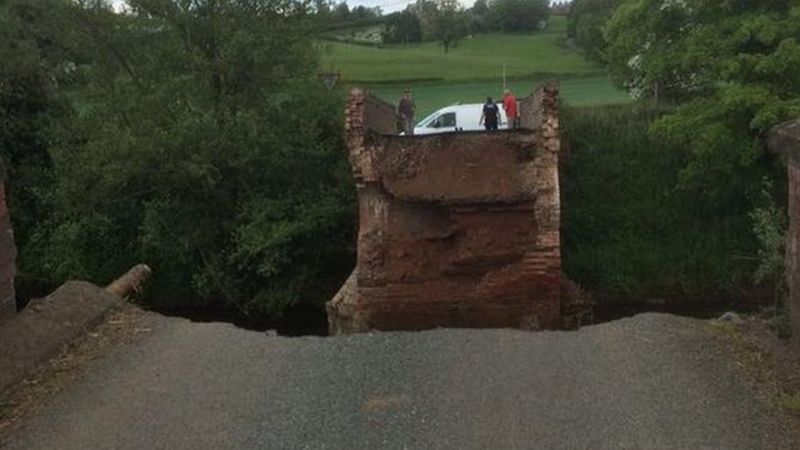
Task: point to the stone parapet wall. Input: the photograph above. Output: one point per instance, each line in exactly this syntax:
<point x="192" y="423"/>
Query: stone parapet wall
<point x="539" y="107"/>
<point x="458" y="229"/>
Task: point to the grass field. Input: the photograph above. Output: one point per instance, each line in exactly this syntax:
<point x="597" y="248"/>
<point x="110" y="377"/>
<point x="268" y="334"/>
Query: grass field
<point x="474" y="69"/>
<point x="430" y="97"/>
<point x="478" y="58"/>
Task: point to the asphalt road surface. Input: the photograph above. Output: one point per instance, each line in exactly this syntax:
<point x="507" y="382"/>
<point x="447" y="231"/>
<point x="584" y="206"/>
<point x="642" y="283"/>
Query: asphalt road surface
<point x="650" y="382"/>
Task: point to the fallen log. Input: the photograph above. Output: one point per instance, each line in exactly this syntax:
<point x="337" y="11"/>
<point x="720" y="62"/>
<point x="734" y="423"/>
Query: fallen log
<point x="131" y="282"/>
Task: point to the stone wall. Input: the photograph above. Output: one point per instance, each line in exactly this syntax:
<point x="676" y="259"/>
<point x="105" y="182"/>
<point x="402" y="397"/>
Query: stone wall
<point x="458" y="229"/>
<point x="785" y="139"/>
<point x="8" y="254"/>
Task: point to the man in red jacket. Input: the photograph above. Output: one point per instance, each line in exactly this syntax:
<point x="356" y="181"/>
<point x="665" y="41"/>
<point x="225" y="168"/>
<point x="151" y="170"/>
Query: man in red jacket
<point x="510" y="106"/>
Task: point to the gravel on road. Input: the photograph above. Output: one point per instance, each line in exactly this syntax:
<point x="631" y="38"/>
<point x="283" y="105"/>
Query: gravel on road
<point x="654" y="381"/>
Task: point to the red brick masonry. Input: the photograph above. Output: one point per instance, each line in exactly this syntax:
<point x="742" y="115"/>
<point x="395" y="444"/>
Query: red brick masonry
<point x="456" y="230"/>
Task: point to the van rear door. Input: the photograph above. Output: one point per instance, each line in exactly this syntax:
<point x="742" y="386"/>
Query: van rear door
<point x="469" y="117"/>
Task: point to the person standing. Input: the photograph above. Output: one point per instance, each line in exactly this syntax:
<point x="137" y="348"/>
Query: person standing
<point x="489" y="115"/>
<point x="406" y="109"/>
<point x="510" y="106"/>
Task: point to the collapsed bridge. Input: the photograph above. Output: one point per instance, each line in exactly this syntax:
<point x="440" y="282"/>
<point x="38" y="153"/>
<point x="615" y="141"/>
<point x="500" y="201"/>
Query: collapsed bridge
<point x="457" y="229"/>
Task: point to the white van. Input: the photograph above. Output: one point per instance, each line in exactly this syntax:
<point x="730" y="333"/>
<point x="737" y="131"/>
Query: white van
<point x="457" y="118"/>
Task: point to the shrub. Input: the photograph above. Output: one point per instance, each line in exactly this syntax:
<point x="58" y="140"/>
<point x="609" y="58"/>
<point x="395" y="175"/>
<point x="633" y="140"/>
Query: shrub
<point x="629" y="227"/>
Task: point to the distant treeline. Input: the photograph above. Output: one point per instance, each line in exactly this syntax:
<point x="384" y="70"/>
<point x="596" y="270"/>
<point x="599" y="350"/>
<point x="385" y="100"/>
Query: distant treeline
<point x="428" y="20"/>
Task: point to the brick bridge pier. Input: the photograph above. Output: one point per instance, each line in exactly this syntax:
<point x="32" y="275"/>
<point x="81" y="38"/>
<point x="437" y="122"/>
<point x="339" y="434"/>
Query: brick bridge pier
<point x="455" y="230"/>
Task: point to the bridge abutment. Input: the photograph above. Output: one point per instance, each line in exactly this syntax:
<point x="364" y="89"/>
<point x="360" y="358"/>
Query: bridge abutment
<point x="455" y="230"/>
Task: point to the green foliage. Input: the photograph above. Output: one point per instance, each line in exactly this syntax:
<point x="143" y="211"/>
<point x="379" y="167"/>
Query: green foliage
<point x="695" y="47"/>
<point x="446" y="21"/>
<point x="443" y="21"/>
<point x="480" y="17"/>
<point x="342" y="16"/>
<point x="645" y="48"/>
<point x="790" y="402"/>
<point x="28" y="107"/>
<point x="769" y="227"/>
<point x="517" y="15"/>
<point x="449" y="23"/>
<point x="195" y="141"/>
<point x="732" y="67"/>
<point x="402" y="27"/>
<point x="630" y="229"/>
<point x="586" y="22"/>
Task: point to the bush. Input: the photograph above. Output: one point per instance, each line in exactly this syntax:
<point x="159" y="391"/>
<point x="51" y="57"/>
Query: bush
<point x="211" y="156"/>
<point x="585" y="24"/>
<point x="402" y="27"/>
<point x="517" y="15"/>
<point x="630" y="230"/>
<point x="254" y="208"/>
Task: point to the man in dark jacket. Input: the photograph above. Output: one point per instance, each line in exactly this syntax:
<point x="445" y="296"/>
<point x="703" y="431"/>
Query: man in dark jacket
<point x="406" y="109"/>
<point x="490" y="115"/>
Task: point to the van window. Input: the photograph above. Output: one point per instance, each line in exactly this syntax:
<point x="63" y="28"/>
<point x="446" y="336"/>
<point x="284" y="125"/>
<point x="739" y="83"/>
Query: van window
<point x="445" y="120"/>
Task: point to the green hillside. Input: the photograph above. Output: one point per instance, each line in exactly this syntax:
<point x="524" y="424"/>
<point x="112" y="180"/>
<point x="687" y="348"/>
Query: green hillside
<point x="477" y="58"/>
<point x="474" y="69"/>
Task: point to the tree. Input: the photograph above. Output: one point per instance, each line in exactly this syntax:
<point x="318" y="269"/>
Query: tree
<point x="36" y="63"/>
<point x="585" y="23"/>
<point x="426" y="11"/>
<point x="479" y="17"/>
<point x="733" y="68"/>
<point x="518" y="15"/>
<point x="361" y="12"/>
<point x="176" y="147"/>
<point x="340" y="13"/>
<point x="449" y="23"/>
<point x="480" y="8"/>
<point x="322" y="8"/>
<point x="694" y="49"/>
<point x="402" y="27"/>
<point x="646" y="49"/>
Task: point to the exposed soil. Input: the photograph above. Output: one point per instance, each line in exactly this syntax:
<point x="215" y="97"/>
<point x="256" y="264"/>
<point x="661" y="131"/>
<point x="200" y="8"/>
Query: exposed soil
<point x="311" y="320"/>
<point x="302" y="320"/>
<point x="767" y="361"/>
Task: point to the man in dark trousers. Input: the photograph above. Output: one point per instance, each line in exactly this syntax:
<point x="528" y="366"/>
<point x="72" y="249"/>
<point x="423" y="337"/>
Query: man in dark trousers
<point x="406" y="109"/>
<point x="490" y="115"/>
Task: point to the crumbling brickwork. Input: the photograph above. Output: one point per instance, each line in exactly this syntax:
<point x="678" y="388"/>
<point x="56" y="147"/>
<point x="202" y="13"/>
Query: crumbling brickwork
<point x="8" y="255"/>
<point x="458" y="229"/>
